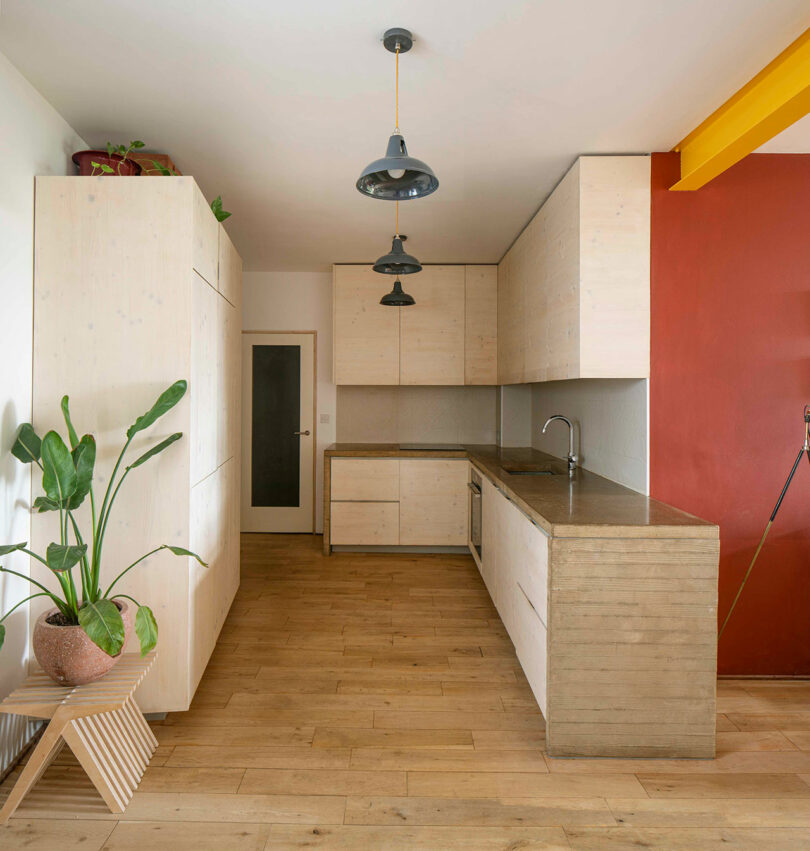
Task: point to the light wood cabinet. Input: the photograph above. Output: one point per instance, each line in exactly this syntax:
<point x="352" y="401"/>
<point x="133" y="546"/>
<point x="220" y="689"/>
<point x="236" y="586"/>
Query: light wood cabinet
<point x="481" y="325"/>
<point x="446" y="338"/>
<point x="396" y="501"/>
<point x="432" y="330"/>
<point x="366" y="333"/>
<point x="149" y="285"/>
<point x="573" y="291"/>
<point x="433" y="502"/>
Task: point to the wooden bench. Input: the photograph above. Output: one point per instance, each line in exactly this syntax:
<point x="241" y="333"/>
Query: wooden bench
<point x="100" y="722"/>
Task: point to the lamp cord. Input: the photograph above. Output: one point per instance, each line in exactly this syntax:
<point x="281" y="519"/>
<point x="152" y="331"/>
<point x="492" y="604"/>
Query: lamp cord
<point x="396" y="97"/>
<point x="397" y="218"/>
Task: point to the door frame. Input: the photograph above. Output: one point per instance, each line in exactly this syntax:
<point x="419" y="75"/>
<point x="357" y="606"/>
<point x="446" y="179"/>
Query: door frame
<point x="314" y="335"/>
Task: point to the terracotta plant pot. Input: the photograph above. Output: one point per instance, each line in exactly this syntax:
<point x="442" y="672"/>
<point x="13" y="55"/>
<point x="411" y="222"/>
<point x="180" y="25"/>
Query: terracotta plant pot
<point x="68" y="656"/>
<point x="121" y="167"/>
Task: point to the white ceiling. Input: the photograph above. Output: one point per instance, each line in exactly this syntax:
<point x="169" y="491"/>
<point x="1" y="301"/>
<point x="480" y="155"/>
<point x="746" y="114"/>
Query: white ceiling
<point x="279" y="105"/>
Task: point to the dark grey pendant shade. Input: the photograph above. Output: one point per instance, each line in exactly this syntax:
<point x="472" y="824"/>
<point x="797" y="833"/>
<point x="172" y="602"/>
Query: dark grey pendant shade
<point x="397" y="298"/>
<point x="397" y="262"/>
<point x="397" y="177"/>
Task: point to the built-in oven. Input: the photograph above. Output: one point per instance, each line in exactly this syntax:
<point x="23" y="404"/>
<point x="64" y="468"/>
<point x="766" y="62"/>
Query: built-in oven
<point x="475" y="514"/>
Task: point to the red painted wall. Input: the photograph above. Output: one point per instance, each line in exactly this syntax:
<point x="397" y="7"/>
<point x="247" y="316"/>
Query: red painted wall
<point x="730" y="375"/>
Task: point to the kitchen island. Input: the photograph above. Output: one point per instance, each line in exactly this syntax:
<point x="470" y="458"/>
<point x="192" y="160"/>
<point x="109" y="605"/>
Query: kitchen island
<point x="609" y="597"/>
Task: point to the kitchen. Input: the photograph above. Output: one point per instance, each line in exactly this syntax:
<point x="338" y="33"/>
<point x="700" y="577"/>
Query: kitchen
<point x="469" y="483"/>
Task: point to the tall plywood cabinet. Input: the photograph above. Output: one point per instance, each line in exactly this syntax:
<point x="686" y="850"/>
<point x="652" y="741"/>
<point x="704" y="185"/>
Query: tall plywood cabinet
<point x="136" y="285"/>
<point x="574" y="289"/>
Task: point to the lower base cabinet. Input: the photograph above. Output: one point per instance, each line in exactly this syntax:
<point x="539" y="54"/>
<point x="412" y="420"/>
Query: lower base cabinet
<point x="398" y="502"/>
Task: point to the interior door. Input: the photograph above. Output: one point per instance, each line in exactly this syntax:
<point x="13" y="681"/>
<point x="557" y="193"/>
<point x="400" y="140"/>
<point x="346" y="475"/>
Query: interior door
<point x="278" y="432"/>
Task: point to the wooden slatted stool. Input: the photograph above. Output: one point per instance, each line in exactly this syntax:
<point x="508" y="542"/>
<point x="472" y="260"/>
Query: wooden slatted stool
<point x="100" y="722"/>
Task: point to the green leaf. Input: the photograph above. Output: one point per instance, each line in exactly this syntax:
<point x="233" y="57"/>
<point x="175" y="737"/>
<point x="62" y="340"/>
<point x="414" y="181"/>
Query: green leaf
<point x="110" y="150"/>
<point x="84" y="460"/>
<point x="58" y="473"/>
<point x="104" y="625"/>
<point x="60" y="557"/>
<point x="27" y="447"/>
<point x="156" y="449"/>
<point x="136" y="144"/>
<point x="10" y="548"/>
<point x="106" y="169"/>
<point x="146" y="629"/>
<point x="43" y="504"/>
<point x="72" y="436"/>
<point x="180" y="551"/>
<point x="216" y="207"/>
<point x="165" y="402"/>
<point x="2" y="634"/>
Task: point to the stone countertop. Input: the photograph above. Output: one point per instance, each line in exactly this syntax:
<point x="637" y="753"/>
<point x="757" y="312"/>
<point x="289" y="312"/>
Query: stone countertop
<point x="586" y="506"/>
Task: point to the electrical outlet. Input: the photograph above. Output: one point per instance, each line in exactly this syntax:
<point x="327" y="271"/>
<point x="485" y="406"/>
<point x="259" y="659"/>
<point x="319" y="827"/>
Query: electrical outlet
<point x="324" y="418"/>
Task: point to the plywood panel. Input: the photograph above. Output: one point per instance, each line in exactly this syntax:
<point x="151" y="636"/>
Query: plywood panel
<point x="230" y="270"/>
<point x="364" y="523"/>
<point x="206" y="237"/>
<point x="432" y="330"/>
<point x="511" y="322"/>
<point x="366" y="333"/>
<point x="481" y="325"/>
<point x="615" y="267"/>
<point x="227" y="371"/>
<point x="622" y="583"/>
<point x="365" y="479"/>
<point x="206" y="379"/>
<point x="433" y="502"/>
<point x="122" y="308"/>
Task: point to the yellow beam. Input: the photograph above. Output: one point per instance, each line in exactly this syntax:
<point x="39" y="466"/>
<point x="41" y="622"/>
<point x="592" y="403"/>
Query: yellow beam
<point x="773" y="100"/>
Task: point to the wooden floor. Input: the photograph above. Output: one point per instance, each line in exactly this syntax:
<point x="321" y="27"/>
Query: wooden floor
<point x="371" y="701"/>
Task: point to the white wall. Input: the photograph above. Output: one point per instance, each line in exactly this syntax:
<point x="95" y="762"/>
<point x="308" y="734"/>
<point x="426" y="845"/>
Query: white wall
<point x="416" y="414"/>
<point x="298" y="301"/>
<point x="611" y="420"/>
<point x="35" y="141"/>
<point x="515" y="412"/>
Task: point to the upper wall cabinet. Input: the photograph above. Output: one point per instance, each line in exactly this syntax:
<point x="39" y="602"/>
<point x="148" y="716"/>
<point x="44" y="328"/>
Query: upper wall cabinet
<point x="447" y="337"/>
<point x="574" y="289"/>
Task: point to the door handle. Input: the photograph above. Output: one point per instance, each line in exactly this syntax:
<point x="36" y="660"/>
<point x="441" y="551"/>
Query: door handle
<point x="305" y="433"/>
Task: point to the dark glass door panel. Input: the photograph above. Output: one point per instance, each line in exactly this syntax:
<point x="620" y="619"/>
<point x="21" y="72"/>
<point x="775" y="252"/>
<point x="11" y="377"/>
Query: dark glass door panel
<point x="275" y="448"/>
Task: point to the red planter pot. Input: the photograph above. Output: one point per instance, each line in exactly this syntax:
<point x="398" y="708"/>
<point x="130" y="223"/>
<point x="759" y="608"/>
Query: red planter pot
<point x="121" y="167"/>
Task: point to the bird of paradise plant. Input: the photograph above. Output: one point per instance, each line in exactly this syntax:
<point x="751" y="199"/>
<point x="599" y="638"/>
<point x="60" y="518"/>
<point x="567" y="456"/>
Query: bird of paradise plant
<point x="67" y="479"/>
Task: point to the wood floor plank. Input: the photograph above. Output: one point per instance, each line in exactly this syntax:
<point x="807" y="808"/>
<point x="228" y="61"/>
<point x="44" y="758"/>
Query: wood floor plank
<point x="485" y="812"/>
<point x="711" y="812"/>
<point x="187" y="836"/>
<point x="723" y="785"/>
<point x="42" y="835"/>
<point x="442" y="759"/>
<point x="397" y="838"/>
<point x="346" y="737"/>
<point x="250" y="756"/>
<point x="686" y="839"/>
<point x="260" y="781"/>
<point x="741" y="762"/>
<point x="511" y="784"/>
<point x="459" y="720"/>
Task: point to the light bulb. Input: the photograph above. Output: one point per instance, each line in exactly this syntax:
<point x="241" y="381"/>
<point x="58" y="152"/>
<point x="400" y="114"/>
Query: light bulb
<point x="396" y="173"/>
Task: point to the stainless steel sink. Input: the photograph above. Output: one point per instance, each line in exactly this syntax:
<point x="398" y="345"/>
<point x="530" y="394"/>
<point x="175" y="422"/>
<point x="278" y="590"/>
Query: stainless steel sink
<point x="527" y="470"/>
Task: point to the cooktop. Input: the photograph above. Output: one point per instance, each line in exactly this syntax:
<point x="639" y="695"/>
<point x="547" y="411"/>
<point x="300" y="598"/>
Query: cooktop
<point x="433" y="447"/>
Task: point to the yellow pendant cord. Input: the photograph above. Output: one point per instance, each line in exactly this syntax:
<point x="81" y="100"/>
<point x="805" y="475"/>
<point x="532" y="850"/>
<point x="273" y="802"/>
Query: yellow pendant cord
<point x="397" y="218"/>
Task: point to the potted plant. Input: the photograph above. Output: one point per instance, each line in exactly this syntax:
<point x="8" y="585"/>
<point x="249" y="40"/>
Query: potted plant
<point x="114" y="161"/>
<point x="83" y="636"/>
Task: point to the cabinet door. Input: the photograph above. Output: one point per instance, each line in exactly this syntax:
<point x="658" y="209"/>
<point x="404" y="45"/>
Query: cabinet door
<point x="432" y="330"/>
<point x="511" y="322"/>
<point x="230" y="270"/>
<point x="205" y="379"/>
<point x="205" y="241"/>
<point x="481" y="325"/>
<point x="433" y="502"/>
<point x="489" y="535"/>
<point x="364" y="523"/>
<point x="366" y="333"/>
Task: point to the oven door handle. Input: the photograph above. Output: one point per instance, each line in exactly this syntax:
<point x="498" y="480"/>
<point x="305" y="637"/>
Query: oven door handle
<point x="475" y="488"/>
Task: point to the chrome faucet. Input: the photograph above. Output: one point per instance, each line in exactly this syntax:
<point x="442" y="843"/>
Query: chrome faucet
<point x="572" y="459"/>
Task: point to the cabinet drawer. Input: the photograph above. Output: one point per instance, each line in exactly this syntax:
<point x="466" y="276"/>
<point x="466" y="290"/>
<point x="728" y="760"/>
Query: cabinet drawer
<point x="369" y="523"/>
<point x="365" y="479"/>
<point x="530" y="638"/>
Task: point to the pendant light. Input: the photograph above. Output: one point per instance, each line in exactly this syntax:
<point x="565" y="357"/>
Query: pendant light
<point x="397" y="261"/>
<point x="397" y="298"/>
<point x="397" y="176"/>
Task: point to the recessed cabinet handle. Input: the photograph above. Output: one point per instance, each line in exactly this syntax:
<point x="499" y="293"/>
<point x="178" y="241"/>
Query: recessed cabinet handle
<point x="306" y="433"/>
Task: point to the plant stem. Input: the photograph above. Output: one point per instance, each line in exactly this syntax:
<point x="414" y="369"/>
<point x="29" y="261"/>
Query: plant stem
<point x="39" y="594"/>
<point x="106" y="595"/>
<point x="84" y="566"/>
<point x="99" y="538"/>
<point x="62" y="607"/>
